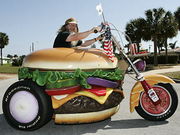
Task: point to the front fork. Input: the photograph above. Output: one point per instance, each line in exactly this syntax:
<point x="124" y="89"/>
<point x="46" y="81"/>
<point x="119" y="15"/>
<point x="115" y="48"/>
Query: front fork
<point x="147" y="88"/>
<point x="150" y="92"/>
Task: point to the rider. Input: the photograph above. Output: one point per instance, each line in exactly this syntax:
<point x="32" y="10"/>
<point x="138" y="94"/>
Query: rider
<point x="69" y="35"/>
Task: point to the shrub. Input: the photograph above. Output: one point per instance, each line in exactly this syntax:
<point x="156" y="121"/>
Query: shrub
<point x="18" y="61"/>
<point x="173" y="58"/>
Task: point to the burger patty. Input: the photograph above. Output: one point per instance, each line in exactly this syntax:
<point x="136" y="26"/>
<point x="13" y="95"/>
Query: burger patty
<point x="83" y="104"/>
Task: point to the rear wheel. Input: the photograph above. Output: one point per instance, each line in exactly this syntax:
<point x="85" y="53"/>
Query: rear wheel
<point x="26" y="106"/>
<point x="162" y="111"/>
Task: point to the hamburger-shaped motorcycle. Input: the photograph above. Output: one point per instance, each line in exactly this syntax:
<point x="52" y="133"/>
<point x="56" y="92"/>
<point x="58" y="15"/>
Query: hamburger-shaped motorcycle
<point x="74" y="85"/>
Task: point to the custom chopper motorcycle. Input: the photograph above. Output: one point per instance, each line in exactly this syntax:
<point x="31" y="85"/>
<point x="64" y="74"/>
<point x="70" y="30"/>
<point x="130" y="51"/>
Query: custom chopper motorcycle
<point x="75" y="85"/>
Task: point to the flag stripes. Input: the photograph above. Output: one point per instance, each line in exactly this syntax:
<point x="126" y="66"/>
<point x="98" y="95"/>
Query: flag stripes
<point x="108" y="48"/>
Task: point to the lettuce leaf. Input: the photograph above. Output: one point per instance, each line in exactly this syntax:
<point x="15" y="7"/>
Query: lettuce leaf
<point x="54" y="78"/>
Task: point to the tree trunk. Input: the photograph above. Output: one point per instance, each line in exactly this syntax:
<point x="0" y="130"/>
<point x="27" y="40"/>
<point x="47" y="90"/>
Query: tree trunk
<point x="138" y="47"/>
<point x="1" y="58"/>
<point x="155" y="52"/>
<point x="166" y="54"/>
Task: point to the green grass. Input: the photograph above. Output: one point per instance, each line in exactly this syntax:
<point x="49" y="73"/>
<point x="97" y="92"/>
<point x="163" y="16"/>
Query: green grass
<point x="160" y="66"/>
<point x="14" y="70"/>
<point x="6" y="68"/>
<point x="175" y="75"/>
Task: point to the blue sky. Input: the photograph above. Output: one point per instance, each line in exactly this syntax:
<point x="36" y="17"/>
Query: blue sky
<point x="37" y="21"/>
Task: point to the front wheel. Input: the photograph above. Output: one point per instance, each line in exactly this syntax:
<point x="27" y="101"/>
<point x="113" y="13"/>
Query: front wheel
<point x="162" y="111"/>
<point x="26" y="106"/>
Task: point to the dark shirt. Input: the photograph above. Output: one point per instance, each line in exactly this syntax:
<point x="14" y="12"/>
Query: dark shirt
<point x="60" y="40"/>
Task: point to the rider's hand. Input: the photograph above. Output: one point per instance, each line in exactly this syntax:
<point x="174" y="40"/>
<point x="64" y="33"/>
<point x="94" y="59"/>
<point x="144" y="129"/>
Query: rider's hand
<point x="96" y="29"/>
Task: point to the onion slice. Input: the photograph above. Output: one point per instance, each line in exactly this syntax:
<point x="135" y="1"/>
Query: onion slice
<point x="102" y="82"/>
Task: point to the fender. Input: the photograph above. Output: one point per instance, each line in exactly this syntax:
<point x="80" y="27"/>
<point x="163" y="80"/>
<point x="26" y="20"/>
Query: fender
<point x="137" y="88"/>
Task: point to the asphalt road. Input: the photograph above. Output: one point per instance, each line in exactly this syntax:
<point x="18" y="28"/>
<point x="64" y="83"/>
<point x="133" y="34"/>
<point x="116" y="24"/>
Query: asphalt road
<point x="122" y="123"/>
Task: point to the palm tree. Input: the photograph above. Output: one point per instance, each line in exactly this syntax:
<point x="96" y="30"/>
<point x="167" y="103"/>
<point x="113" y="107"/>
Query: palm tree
<point x="169" y="29"/>
<point x="152" y="28"/>
<point x="177" y="16"/>
<point x="4" y="40"/>
<point x="134" y="29"/>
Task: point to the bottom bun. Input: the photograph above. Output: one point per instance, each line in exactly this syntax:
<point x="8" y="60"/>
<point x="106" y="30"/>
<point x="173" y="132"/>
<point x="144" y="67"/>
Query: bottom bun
<point x="77" y="118"/>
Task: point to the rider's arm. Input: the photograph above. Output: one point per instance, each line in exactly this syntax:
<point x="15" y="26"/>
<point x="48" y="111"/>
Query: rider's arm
<point x="91" y="41"/>
<point x="78" y="36"/>
<point x="81" y="35"/>
<point x="88" y="42"/>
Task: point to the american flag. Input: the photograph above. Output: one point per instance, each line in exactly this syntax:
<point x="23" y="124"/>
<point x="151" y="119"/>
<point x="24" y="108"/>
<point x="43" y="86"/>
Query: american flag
<point x="108" y="46"/>
<point x="99" y="9"/>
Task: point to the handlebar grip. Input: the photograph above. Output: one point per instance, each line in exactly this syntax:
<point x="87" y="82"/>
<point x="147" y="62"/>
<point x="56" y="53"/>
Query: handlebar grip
<point x="95" y="31"/>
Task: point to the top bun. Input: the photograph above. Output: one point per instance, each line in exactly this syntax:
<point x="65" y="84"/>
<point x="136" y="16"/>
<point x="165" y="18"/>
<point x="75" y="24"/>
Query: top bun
<point x="69" y="59"/>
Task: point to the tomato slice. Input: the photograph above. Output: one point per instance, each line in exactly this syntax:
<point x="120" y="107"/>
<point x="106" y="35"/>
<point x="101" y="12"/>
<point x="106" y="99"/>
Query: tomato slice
<point x="97" y="90"/>
<point x="63" y="91"/>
